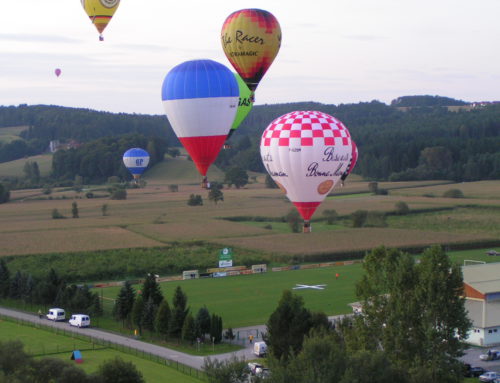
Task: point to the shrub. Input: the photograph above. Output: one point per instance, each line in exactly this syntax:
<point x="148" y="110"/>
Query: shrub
<point x="270" y="184"/>
<point x="358" y="218"/>
<point x="195" y="200"/>
<point x="57" y="215"/>
<point x="453" y="193"/>
<point x="373" y="187"/>
<point x="293" y="219"/>
<point x="375" y="219"/>
<point x="89" y="195"/>
<point x="118" y="193"/>
<point x="331" y="216"/>
<point x="173" y="188"/>
<point x="401" y="208"/>
<point x="268" y="226"/>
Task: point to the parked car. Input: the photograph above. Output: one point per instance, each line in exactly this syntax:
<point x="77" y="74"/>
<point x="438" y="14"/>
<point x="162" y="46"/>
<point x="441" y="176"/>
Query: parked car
<point x="472" y="371"/>
<point x="490" y="355"/>
<point x="489" y="377"/>
<point x="56" y="314"/>
<point x="79" y="320"/>
<point x="492" y="252"/>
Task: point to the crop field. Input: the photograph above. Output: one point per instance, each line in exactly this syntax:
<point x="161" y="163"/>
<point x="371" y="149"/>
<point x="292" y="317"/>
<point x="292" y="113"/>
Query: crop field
<point x="154" y="216"/>
<point x="41" y="342"/>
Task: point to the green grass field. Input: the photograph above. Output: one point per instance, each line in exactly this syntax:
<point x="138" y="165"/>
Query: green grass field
<point x="9" y="134"/>
<point x="40" y="343"/>
<point x="15" y="168"/>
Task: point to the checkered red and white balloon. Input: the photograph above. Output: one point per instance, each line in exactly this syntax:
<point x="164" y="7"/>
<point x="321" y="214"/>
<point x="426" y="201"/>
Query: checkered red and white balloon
<point x="306" y="153"/>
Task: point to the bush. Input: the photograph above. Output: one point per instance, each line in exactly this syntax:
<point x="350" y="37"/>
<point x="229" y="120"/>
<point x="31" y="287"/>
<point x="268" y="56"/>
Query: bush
<point x="57" y="215"/>
<point x="453" y="193"/>
<point x="89" y="195"/>
<point x="373" y="187"/>
<point x="401" y="208"/>
<point x="359" y="218"/>
<point x="330" y="216"/>
<point x="268" y="226"/>
<point x="195" y="200"/>
<point x="270" y="184"/>
<point x="118" y="193"/>
<point x="173" y="188"/>
<point x="375" y="219"/>
<point x="293" y="219"/>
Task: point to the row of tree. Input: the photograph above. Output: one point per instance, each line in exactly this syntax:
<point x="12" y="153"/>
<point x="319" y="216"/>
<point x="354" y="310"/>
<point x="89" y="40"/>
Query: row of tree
<point x="148" y="310"/>
<point x="50" y="290"/>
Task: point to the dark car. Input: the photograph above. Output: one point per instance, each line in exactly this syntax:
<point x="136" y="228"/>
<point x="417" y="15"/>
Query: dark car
<point x="473" y="371"/>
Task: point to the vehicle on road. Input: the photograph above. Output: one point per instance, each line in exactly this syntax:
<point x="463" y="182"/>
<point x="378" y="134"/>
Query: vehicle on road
<point x="79" y="320"/>
<point x="56" y="314"/>
<point x="260" y="349"/>
<point x="489" y="377"/>
<point x="492" y="252"/>
<point x="473" y="371"/>
<point x="490" y="355"/>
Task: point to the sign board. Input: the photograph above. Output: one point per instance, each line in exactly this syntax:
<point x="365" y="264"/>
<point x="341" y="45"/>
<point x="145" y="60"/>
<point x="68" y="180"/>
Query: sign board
<point x="226" y="257"/>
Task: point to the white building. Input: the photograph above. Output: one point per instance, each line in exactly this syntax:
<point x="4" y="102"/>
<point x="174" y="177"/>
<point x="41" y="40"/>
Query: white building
<point x="482" y="301"/>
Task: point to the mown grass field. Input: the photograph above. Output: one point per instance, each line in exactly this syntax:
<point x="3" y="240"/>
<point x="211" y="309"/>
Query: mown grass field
<point x="11" y="133"/>
<point x="41" y="342"/>
<point x="15" y="168"/>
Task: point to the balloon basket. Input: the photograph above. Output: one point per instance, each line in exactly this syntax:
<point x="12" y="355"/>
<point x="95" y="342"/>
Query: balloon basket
<point x="204" y="183"/>
<point x="307" y="227"/>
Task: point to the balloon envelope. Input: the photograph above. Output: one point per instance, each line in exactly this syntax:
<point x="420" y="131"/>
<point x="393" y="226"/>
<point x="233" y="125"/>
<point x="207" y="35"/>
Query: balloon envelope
<point x="200" y="98"/>
<point x="136" y="160"/>
<point x="245" y="103"/>
<point x="251" y="39"/>
<point x="57" y="71"/>
<point x="306" y="153"/>
<point x="100" y="12"/>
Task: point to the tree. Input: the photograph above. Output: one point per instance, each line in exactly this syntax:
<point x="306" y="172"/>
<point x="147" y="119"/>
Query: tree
<point x="57" y="215"/>
<point x="414" y="312"/>
<point x="215" y="195"/>
<point x="149" y="315"/>
<point x="179" y="313"/>
<point x="236" y="176"/>
<point x="270" y="184"/>
<point x="359" y="218"/>
<point x="74" y="209"/>
<point x="287" y="326"/>
<point x="231" y="370"/>
<point x="202" y="321"/>
<point x="124" y="302"/>
<point x="104" y="209"/>
<point x="4" y="194"/>
<point x="136" y="313"/>
<point x="162" y="320"/>
<point x="118" y="193"/>
<point x="119" y="371"/>
<point x="4" y="279"/>
<point x="188" y="329"/>
<point x="50" y="287"/>
<point x="216" y="328"/>
<point x="330" y="216"/>
<point x="293" y="219"/>
<point x="151" y="289"/>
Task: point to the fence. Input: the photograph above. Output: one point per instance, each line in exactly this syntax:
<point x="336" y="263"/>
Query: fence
<point x="96" y="343"/>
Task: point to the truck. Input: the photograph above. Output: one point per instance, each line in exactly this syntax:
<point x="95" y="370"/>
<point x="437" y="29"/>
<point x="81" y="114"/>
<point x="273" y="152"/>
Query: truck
<point x="260" y="349"/>
<point x="56" y="314"/>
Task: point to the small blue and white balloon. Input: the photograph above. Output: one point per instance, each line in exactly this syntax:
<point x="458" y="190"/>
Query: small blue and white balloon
<point x="136" y="160"/>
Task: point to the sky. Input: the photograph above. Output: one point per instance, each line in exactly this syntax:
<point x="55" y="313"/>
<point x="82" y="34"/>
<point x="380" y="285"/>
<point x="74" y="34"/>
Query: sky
<point x="333" y="51"/>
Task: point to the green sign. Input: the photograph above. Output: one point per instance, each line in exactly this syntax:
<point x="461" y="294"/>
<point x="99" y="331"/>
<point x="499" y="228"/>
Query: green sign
<point x="226" y="257"/>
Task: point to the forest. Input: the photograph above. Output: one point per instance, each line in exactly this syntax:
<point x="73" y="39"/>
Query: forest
<point x="425" y="141"/>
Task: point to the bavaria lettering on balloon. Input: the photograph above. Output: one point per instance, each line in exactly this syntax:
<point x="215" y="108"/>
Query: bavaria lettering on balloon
<point x="330" y="156"/>
<point x="313" y="171"/>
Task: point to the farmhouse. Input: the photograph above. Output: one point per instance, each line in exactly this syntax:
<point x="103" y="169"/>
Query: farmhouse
<point x="482" y="301"/>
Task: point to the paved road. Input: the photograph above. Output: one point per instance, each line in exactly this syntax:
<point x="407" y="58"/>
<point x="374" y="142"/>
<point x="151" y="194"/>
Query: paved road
<point x="242" y="335"/>
<point x="189" y="360"/>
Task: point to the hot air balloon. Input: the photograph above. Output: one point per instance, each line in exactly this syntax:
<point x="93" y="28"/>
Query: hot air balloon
<point x="352" y="162"/>
<point x="100" y="12"/>
<point x="251" y="39"/>
<point x="57" y="71"/>
<point x="245" y="104"/>
<point x="306" y="154"/>
<point x="200" y="99"/>
<point x="136" y="160"/>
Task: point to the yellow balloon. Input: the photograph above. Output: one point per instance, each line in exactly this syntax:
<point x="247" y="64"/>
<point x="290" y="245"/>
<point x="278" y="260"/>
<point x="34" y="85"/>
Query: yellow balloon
<point x="251" y="39"/>
<point x="100" y="12"/>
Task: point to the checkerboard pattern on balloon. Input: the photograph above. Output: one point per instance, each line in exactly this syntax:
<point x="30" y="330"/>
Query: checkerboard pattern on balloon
<point x="304" y="129"/>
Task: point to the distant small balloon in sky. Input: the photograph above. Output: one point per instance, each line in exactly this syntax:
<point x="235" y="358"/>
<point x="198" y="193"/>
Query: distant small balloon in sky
<point x="57" y="71"/>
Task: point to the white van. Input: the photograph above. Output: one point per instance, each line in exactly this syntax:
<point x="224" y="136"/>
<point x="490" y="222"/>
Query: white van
<point x="260" y="349"/>
<point x="79" y="320"/>
<point x="56" y="315"/>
